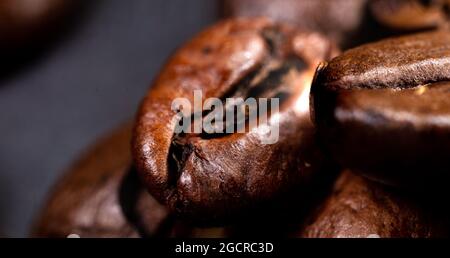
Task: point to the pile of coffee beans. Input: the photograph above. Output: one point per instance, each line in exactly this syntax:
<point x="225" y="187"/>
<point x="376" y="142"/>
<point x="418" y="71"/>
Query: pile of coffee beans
<point x="363" y="141"/>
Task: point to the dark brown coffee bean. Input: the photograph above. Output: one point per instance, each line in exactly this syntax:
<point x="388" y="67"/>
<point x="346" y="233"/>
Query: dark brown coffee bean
<point x="341" y="20"/>
<point x="384" y="109"/>
<point x="210" y="176"/>
<point x="101" y="197"/>
<point x="24" y="22"/>
<point x="411" y="14"/>
<point x="359" y="208"/>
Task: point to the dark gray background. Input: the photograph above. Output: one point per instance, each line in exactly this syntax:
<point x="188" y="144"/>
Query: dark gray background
<point x="83" y="86"/>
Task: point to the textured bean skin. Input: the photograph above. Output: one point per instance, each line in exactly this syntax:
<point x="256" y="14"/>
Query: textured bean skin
<point x="226" y="175"/>
<point x="383" y="109"/>
<point x="98" y="197"/>
<point x="359" y="208"/>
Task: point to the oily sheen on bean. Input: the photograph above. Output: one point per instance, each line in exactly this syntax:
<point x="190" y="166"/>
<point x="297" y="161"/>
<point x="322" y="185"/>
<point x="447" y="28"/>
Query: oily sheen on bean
<point x="383" y="109"/>
<point x="210" y="177"/>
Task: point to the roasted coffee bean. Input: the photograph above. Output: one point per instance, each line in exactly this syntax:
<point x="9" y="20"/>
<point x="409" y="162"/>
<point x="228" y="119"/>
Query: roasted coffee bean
<point x="208" y="177"/>
<point x="383" y="109"/>
<point x="102" y="197"/>
<point x="411" y="14"/>
<point x="24" y="22"/>
<point x="359" y="208"/>
<point x="341" y="20"/>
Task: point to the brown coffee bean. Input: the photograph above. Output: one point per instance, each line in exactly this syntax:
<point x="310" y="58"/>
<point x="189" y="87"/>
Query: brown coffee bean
<point x="383" y="109"/>
<point x="24" y="22"/>
<point x="210" y="176"/>
<point x="359" y="208"/>
<point x="101" y="197"/>
<point x="341" y="20"/>
<point x="411" y="14"/>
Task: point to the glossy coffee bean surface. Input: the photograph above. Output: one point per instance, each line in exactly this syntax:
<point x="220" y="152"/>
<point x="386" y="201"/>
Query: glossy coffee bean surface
<point x="213" y="177"/>
<point x="383" y="109"/>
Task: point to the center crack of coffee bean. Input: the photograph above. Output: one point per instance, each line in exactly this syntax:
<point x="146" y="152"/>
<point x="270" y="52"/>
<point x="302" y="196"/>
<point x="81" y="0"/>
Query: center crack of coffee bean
<point x="270" y="79"/>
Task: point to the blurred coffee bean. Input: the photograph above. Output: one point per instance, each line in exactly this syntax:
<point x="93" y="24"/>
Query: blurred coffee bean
<point x="210" y="177"/>
<point x="411" y="15"/>
<point x="359" y="208"/>
<point x="101" y="196"/>
<point x="383" y="109"/>
<point x="28" y="28"/>
<point x="25" y="22"/>
<point x="344" y="21"/>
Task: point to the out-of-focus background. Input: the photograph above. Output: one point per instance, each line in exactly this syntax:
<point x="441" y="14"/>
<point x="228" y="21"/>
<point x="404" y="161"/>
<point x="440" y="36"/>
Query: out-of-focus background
<point x="87" y="82"/>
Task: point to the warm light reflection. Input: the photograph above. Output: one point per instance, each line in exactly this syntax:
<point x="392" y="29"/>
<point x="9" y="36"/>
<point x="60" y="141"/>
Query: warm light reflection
<point x="302" y="103"/>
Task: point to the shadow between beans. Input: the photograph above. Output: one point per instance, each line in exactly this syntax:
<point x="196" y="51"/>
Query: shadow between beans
<point x="130" y="192"/>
